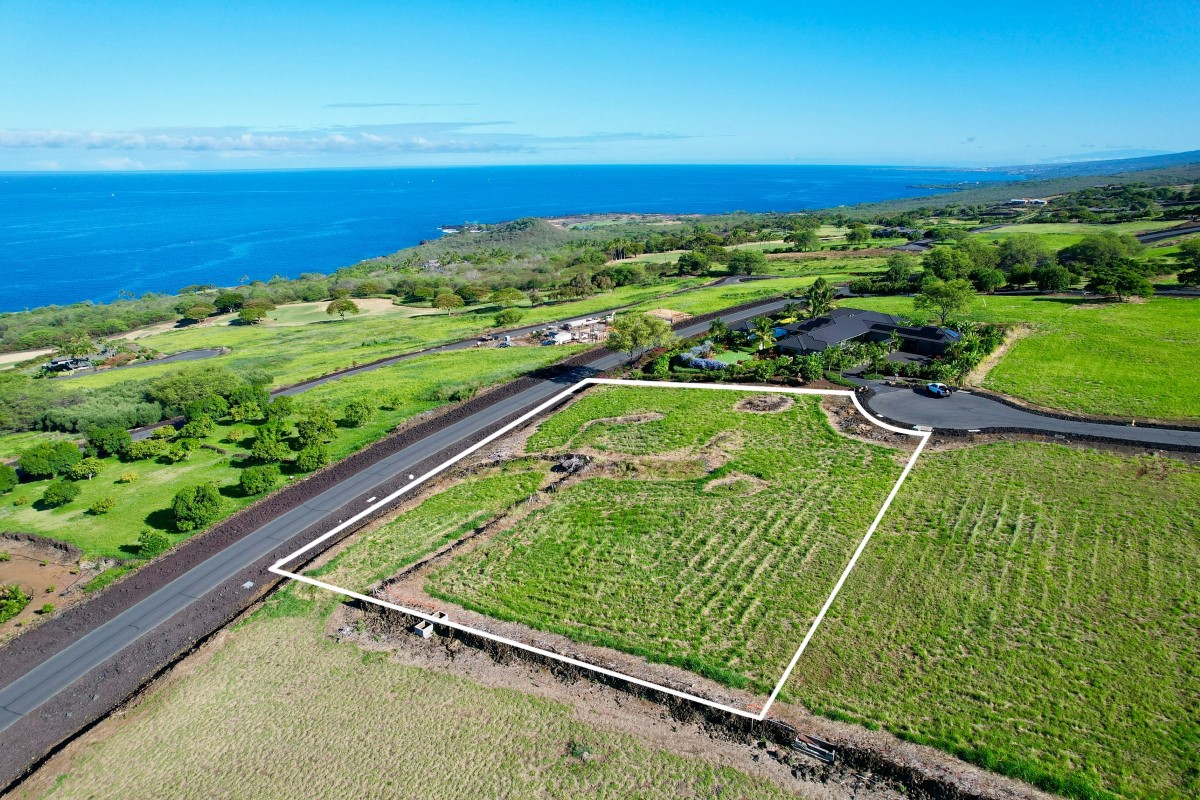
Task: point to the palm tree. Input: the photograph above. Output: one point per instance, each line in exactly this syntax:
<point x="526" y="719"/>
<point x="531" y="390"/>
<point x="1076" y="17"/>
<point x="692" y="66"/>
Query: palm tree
<point x="792" y="310"/>
<point x="820" y="298"/>
<point x="719" y="330"/>
<point x="762" y="330"/>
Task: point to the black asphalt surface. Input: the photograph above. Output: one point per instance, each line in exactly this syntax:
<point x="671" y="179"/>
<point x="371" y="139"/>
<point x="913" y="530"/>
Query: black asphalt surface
<point x="59" y="670"/>
<point x="964" y="411"/>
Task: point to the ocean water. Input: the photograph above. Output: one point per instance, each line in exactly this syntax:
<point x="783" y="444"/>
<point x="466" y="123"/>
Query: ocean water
<point x="66" y="238"/>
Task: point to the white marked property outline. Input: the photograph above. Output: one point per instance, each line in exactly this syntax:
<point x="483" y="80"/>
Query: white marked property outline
<point x="277" y="567"/>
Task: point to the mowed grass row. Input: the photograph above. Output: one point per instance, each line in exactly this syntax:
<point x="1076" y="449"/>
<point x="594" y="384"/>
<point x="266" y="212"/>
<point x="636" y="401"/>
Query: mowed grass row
<point x="1123" y="359"/>
<point x="410" y="387"/>
<point x="722" y="582"/>
<point x="299" y="716"/>
<point x="1035" y="609"/>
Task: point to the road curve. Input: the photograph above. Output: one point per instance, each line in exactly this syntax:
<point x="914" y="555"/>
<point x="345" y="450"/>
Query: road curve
<point x="965" y="411"/>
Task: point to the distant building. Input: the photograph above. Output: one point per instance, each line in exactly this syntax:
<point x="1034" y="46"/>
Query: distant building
<point x="856" y="325"/>
<point x="68" y="364"/>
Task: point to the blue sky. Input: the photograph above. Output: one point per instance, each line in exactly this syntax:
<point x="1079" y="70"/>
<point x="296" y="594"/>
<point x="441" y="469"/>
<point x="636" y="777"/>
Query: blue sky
<point x="192" y="85"/>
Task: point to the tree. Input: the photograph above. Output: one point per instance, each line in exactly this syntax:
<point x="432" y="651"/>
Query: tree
<point x="1189" y="259"/>
<point x="803" y="239"/>
<point x="747" y="262"/>
<point x="692" y="262"/>
<point x="1020" y="275"/>
<point x="85" y="469"/>
<point x="448" y="301"/>
<point x="281" y="408"/>
<point x="229" y="301"/>
<point x="198" y="427"/>
<point x="109" y="440"/>
<point x="508" y="297"/>
<point x="762" y="330"/>
<point x="269" y="445"/>
<point x="474" y="293"/>
<point x="342" y="306"/>
<point x="315" y="427"/>
<point x="945" y="298"/>
<point x="196" y="506"/>
<point x="947" y="263"/>
<point x="718" y="329"/>
<point x="153" y="543"/>
<point x="1023" y="250"/>
<point x="59" y="493"/>
<point x="356" y="413"/>
<point x="900" y="267"/>
<point x="252" y="316"/>
<point x="1122" y="280"/>
<point x="1053" y="278"/>
<point x="819" y="298"/>
<point x="858" y="233"/>
<point x="198" y="311"/>
<point x="508" y="317"/>
<point x="314" y="456"/>
<point x="1099" y="251"/>
<point x="8" y="478"/>
<point x="987" y="280"/>
<point x="635" y="333"/>
<point x="76" y="347"/>
<point x="256" y="480"/>
<point x="48" y="459"/>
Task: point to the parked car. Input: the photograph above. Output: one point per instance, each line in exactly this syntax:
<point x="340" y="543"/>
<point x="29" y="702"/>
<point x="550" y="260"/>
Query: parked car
<point x="937" y="390"/>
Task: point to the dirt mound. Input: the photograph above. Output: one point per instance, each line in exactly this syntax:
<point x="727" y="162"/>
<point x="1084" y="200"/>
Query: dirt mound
<point x="765" y="403"/>
<point x="736" y="485"/>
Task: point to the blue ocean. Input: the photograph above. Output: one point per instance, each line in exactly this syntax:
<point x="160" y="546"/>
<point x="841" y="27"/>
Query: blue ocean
<point x="66" y="238"/>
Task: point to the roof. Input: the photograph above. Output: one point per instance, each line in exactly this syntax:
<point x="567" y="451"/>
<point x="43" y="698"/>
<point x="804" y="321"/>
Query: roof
<point x="844" y="324"/>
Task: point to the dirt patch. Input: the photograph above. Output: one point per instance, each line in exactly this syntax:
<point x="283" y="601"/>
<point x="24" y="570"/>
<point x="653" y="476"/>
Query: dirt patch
<point x="1016" y="333"/>
<point x="47" y="571"/>
<point x="736" y="484"/>
<point x="765" y="403"/>
<point x="846" y="420"/>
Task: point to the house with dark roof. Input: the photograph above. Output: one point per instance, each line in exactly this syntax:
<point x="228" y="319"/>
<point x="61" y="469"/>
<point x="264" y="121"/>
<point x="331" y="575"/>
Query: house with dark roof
<point x="843" y="325"/>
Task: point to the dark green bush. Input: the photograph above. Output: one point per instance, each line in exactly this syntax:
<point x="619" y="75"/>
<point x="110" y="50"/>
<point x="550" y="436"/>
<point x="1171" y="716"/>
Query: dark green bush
<point x="47" y="459"/>
<point x="196" y="506"/>
<point x="256" y="480"/>
<point x="59" y="493"/>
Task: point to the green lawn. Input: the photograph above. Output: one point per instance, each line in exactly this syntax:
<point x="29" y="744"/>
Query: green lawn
<point x="1058" y="235"/>
<point x="1132" y="360"/>
<point x="293" y="353"/>
<point x="1033" y="608"/>
<point x="717" y="571"/>
<point x="413" y="386"/>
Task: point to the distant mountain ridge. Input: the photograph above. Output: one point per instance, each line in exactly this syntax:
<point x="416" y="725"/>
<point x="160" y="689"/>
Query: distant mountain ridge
<point x="1104" y="167"/>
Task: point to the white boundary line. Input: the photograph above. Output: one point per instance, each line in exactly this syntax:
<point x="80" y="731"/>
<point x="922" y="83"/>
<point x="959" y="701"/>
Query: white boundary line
<point x="277" y="567"/>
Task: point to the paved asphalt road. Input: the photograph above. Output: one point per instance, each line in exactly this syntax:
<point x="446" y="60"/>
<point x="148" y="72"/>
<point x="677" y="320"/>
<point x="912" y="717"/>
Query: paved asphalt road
<point x="59" y="670"/>
<point x="965" y="411"/>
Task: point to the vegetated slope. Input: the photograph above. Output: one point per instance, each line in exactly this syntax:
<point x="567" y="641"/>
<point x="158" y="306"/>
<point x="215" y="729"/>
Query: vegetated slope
<point x="1107" y="166"/>
<point x="1035" y="609"/>
<point x="1000" y="192"/>
<point x="280" y="711"/>
<point x="1132" y="360"/>
<point x="720" y="572"/>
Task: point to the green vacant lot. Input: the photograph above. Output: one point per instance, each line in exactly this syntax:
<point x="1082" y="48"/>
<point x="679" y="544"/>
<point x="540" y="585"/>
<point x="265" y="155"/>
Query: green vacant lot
<point x="1035" y="609"/>
<point x="1058" y="235"/>
<point x="1133" y="360"/>
<point x="718" y="571"/>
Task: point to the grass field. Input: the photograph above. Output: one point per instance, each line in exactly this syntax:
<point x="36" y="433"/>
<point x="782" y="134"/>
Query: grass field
<point x="1057" y="235"/>
<point x="1035" y="609"/>
<point x="713" y="553"/>
<point x="1123" y="359"/>
<point x="280" y="711"/>
<point x="413" y="387"/>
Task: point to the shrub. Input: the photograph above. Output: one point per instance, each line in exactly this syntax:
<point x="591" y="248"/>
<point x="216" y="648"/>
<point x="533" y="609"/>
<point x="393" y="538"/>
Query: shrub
<point x="8" y="478"/>
<point x="315" y="427"/>
<point x="196" y="506"/>
<point x="102" y="505"/>
<point x="85" y="469"/>
<point x="47" y="608"/>
<point x="281" y="407"/>
<point x="198" y="427"/>
<point x="152" y="543"/>
<point x="268" y="446"/>
<point x="213" y="406"/>
<point x="109" y="440"/>
<point x="12" y="602"/>
<point x="508" y="317"/>
<point x="312" y="457"/>
<point x="256" y="480"/>
<point x="356" y="413"/>
<point x="21" y="500"/>
<point x="128" y="477"/>
<point x="47" y="459"/>
<point x="59" y="493"/>
<point x="181" y="450"/>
